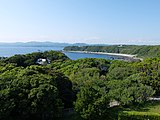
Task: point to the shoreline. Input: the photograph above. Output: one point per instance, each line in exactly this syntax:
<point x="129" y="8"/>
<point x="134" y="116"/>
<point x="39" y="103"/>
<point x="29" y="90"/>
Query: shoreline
<point x="127" y="57"/>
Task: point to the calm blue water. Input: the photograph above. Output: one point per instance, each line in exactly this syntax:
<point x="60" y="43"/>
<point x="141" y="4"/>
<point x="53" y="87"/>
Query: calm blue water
<point x="75" y="56"/>
<point x="10" y="51"/>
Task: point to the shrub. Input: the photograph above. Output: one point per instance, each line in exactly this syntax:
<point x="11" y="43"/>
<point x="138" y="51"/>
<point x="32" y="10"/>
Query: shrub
<point x="134" y="115"/>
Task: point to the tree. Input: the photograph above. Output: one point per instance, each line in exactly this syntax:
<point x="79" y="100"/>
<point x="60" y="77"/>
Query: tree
<point x="120" y="70"/>
<point x="129" y="91"/>
<point x="92" y="101"/>
<point x="31" y="58"/>
<point x="150" y="73"/>
<point x="34" y="92"/>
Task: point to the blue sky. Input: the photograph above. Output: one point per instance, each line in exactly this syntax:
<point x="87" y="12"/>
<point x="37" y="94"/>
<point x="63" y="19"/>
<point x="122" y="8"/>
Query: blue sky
<point x="87" y="21"/>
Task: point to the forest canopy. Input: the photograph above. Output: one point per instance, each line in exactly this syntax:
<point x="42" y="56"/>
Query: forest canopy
<point x="33" y="91"/>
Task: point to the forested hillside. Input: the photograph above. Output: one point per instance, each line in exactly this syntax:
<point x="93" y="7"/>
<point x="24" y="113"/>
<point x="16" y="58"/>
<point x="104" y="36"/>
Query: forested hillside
<point x="31" y="59"/>
<point x="30" y="91"/>
<point x="141" y="51"/>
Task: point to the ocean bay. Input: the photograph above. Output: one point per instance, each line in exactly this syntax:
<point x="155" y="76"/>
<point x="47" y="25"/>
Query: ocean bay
<point x="10" y="51"/>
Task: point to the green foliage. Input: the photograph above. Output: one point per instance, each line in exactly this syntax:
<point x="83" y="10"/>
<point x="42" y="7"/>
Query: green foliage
<point x="40" y="92"/>
<point x="129" y="91"/>
<point x="120" y="70"/>
<point x="92" y="101"/>
<point x="120" y="73"/>
<point x="82" y="76"/>
<point x="4" y="67"/>
<point x="140" y="51"/>
<point x="33" y="93"/>
<point x="70" y="66"/>
<point x="132" y="115"/>
<point x="30" y="59"/>
<point x="152" y="106"/>
<point x="29" y="96"/>
<point x="150" y="73"/>
<point x="80" y="70"/>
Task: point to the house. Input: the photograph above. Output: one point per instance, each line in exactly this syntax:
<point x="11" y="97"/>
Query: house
<point x="43" y="61"/>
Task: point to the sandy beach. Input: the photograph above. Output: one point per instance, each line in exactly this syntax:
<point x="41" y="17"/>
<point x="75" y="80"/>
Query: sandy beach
<point x="126" y="57"/>
<point x="105" y="53"/>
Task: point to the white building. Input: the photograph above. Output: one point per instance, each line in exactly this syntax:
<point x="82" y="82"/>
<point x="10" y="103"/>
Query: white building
<point x="42" y="61"/>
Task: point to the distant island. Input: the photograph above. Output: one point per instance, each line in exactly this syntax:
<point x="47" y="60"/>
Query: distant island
<point x="40" y="44"/>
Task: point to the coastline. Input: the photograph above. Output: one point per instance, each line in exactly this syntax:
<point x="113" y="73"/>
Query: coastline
<point x="127" y="57"/>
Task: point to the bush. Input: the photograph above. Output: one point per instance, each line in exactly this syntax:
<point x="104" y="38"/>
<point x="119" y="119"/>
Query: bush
<point x="133" y="115"/>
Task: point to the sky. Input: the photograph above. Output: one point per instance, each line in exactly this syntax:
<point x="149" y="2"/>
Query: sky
<point x="81" y="21"/>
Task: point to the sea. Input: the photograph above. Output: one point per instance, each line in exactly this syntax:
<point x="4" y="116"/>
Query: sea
<point x="10" y="51"/>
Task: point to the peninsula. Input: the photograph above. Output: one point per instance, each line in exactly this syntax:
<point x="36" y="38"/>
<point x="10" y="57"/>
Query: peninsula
<point x="118" y="56"/>
<point x="140" y="51"/>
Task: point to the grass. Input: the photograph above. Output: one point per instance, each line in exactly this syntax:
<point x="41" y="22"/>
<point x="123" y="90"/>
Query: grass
<point x="150" y="107"/>
<point x="153" y="106"/>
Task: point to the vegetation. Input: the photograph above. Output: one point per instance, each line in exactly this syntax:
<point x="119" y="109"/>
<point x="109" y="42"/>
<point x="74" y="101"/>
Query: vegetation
<point x="30" y="59"/>
<point x="90" y="85"/>
<point x="132" y="115"/>
<point x="93" y="100"/>
<point x="141" y="51"/>
<point x="33" y="92"/>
